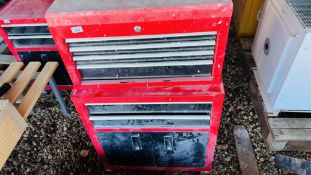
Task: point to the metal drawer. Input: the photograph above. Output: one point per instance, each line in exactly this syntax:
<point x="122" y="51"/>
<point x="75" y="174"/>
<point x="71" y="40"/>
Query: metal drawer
<point x="22" y="42"/>
<point x="202" y="122"/>
<point x="147" y="56"/>
<point x="29" y="35"/>
<point x="166" y="115"/>
<point x="30" y="29"/>
<point x="145" y="72"/>
<point x="162" y="149"/>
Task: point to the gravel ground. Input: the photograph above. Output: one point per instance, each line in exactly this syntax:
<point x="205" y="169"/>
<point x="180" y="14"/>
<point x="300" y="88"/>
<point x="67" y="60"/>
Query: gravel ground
<point x="54" y="144"/>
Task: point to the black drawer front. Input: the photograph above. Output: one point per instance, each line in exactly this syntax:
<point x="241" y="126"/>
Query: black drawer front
<point x="61" y="76"/>
<point x="145" y="72"/>
<point x="162" y="149"/>
<point x="27" y="30"/>
<point x="128" y="149"/>
<point x="189" y="149"/>
<point x="38" y="42"/>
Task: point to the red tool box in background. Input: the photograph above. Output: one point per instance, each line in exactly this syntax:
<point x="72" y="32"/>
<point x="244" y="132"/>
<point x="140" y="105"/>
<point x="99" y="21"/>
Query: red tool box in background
<point x="25" y="31"/>
<point x="147" y="77"/>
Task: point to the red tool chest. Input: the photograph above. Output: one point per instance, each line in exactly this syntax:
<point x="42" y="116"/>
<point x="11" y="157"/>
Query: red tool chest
<point x="152" y="127"/>
<point x="130" y="41"/>
<point x="147" y="77"/>
<point x="26" y="33"/>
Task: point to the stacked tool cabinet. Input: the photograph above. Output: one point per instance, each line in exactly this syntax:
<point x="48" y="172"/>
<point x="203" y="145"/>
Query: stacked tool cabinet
<point x="26" y="33"/>
<point x="147" y="77"/>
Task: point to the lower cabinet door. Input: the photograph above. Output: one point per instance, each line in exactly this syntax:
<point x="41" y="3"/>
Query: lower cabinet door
<point x="128" y="149"/>
<point x="180" y="149"/>
<point x="162" y="149"/>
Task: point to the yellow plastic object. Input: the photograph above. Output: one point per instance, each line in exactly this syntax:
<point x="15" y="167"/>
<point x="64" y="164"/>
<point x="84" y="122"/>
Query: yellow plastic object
<point x="245" y="16"/>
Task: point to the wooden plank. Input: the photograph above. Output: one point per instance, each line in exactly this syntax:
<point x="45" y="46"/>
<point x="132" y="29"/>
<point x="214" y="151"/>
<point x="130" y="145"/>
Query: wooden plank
<point x="245" y="152"/>
<point x="304" y="146"/>
<point x="10" y="72"/>
<point x="292" y="134"/>
<point x="274" y="145"/>
<point x="22" y="81"/>
<point x="36" y="89"/>
<point x="7" y="59"/>
<point x="258" y="106"/>
<point x="12" y="126"/>
<point x="298" y="123"/>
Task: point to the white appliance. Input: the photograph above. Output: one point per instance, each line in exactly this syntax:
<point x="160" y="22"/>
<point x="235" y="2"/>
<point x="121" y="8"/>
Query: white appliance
<point x="282" y="52"/>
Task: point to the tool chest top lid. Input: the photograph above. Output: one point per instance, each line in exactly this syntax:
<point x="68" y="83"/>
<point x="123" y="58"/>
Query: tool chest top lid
<point x="63" y="6"/>
<point x="24" y="9"/>
<point x="73" y="12"/>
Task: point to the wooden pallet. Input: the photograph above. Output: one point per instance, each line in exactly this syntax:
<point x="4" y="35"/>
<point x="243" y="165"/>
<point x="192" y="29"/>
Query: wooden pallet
<point x="245" y="151"/>
<point x="280" y="133"/>
<point x="12" y="119"/>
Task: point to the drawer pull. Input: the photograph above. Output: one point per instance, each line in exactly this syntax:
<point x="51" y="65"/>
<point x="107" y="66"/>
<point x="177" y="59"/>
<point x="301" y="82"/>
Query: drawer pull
<point x="169" y="143"/>
<point x="136" y="143"/>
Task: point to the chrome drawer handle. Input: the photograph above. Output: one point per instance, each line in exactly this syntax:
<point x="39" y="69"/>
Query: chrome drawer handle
<point x="169" y="143"/>
<point x="136" y="143"/>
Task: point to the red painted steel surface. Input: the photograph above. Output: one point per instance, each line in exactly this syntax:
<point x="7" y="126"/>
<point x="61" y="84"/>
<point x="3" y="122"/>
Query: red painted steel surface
<point x="25" y="12"/>
<point x="212" y="16"/>
<point x="93" y="94"/>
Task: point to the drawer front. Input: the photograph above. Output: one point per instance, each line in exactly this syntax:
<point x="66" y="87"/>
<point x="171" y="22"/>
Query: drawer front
<point x="161" y="149"/>
<point x="180" y="149"/>
<point x="161" y="115"/>
<point x="202" y="122"/>
<point x="61" y="76"/>
<point x="144" y="57"/>
<point x="30" y="30"/>
<point x="31" y="35"/>
<point x="128" y="149"/>
<point x="111" y="73"/>
<point x="32" y="42"/>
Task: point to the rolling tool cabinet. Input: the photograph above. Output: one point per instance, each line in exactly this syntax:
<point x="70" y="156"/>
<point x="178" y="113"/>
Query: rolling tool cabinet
<point x="147" y="77"/>
<point x="24" y="29"/>
<point x="154" y="127"/>
<point x="133" y="41"/>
